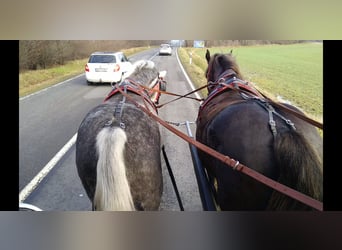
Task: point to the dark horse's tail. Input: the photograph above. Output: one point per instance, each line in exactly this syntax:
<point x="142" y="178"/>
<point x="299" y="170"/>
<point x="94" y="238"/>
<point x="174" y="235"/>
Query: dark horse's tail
<point x="112" y="187"/>
<point x="300" y="168"/>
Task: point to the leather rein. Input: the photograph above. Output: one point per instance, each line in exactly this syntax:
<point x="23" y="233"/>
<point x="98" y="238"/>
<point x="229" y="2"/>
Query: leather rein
<point x="236" y="165"/>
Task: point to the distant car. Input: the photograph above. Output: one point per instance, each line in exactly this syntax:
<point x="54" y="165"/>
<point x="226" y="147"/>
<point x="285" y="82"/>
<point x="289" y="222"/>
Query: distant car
<point x="106" y="67"/>
<point x="165" y="49"/>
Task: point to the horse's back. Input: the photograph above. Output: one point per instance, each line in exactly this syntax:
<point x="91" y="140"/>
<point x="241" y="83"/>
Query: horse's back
<point x="142" y="156"/>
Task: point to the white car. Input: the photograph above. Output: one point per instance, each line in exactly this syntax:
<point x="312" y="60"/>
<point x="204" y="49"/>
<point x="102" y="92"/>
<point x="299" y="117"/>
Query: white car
<point x="107" y="67"/>
<point x="165" y="49"/>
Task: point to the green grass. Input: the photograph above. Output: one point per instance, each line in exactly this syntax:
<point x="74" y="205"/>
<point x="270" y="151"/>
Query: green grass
<point x="32" y="81"/>
<point x="295" y="72"/>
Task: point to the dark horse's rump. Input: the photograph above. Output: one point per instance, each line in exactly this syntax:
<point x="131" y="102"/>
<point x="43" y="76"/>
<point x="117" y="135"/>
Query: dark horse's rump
<point x="237" y="125"/>
<point x="117" y="140"/>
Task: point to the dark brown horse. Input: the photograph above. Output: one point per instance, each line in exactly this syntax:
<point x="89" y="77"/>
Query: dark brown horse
<point x="239" y="122"/>
<point x="118" y="146"/>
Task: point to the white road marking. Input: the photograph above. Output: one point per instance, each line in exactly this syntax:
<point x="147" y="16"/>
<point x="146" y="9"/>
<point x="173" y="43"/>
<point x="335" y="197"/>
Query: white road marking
<point x="187" y="77"/>
<point x="25" y="192"/>
<point x="35" y="93"/>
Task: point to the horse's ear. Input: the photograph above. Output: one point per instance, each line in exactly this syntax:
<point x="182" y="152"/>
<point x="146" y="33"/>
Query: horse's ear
<point x="207" y="56"/>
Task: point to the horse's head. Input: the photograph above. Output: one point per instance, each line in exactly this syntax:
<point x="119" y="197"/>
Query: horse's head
<point x="218" y="66"/>
<point x="143" y="72"/>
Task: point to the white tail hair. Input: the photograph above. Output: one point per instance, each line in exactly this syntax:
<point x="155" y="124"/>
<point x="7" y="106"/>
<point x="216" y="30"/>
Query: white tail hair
<point x="112" y="191"/>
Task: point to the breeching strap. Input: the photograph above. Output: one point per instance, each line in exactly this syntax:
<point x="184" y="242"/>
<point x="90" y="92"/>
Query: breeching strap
<point x="236" y="165"/>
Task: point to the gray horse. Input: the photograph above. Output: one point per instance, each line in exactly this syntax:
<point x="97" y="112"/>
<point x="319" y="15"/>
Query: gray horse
<point x="118" y="147"/>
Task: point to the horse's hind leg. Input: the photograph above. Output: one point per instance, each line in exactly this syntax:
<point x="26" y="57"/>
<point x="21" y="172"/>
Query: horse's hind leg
<point x="213" y="185"/>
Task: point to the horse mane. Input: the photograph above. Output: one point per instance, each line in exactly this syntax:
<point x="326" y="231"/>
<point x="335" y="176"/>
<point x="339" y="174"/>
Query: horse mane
<point x="140" y="64"/>
<point x="225" y="61"/>
<point x="228" y="61"/>
<point x="143" y="71"/>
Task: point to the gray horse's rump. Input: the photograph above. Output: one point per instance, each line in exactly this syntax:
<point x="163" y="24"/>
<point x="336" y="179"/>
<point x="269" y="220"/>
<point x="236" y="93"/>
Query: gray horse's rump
<point x="141" y="150"/>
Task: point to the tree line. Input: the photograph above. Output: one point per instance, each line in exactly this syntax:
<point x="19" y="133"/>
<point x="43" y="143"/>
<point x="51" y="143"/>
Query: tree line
<point x="41" y="54"/>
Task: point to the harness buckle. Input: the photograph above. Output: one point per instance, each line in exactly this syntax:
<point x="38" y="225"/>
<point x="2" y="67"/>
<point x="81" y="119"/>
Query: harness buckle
<point x="289" y="122"/>
<point x="273" y="127"/>
<point x="211" y="85"/>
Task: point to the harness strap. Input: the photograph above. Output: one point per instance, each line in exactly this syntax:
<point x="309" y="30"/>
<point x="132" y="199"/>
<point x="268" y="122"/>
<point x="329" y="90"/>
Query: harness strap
<point x="271" y="122"/>
<point x="133" y="87"/>
<point x="117" y="114"/>
<point x="287" y="121"/>
<point x="119" y="109"/>
<point x="265" y="104"/>
<point x="235" y="164"/>
<point x="294" y="112"/>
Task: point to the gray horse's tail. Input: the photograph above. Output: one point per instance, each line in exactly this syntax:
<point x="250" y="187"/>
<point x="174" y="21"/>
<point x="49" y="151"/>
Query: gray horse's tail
<point x="112" y="188"/>
<point x="300" y="168"/>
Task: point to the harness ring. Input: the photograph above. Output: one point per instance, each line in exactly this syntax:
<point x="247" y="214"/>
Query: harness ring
<point x="236" y="164"/>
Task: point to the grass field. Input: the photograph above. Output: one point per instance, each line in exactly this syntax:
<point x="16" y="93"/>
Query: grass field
<point x="294" y="72"/>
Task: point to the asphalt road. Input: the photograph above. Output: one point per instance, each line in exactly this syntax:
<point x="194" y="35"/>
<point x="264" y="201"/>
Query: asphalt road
<point x="48" y="123"/>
